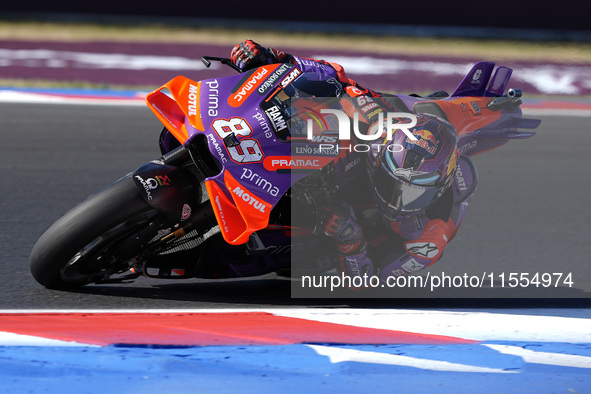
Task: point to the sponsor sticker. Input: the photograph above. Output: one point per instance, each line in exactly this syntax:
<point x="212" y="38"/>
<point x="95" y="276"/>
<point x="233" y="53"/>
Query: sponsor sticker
<point x="249" y="85"/>
<point x="186" y="213"/>
<point x="273" y="78"/>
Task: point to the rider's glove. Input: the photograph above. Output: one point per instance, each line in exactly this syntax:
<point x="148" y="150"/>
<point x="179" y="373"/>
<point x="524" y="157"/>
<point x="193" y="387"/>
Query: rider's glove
<point x="248" y="54"/>
<point x="339" y="222"/>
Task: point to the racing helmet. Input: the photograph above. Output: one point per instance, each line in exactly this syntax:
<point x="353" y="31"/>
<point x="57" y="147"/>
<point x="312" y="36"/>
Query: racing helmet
<point x="410" y="175"/>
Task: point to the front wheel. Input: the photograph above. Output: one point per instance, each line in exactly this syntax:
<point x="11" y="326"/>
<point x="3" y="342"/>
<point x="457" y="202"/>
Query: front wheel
<point x="77" y="248"/>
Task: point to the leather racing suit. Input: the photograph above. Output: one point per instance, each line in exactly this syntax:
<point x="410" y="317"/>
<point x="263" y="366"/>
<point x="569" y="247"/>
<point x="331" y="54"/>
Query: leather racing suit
<point x="368" y="242"/>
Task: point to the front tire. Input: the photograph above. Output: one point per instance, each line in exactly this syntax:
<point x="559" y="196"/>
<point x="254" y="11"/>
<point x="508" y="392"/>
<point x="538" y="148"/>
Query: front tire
<point x="82" y="226"/>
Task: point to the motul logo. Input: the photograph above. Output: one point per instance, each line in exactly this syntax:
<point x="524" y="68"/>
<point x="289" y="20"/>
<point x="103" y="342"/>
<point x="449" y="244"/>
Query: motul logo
<point x="249" y="199"/>
<point x="193" y="95"/>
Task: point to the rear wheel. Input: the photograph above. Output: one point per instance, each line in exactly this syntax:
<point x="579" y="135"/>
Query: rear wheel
<point x="82" y="246"/>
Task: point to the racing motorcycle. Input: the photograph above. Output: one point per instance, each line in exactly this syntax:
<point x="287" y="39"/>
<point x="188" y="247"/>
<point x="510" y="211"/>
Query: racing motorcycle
<point x="219" y="202"/>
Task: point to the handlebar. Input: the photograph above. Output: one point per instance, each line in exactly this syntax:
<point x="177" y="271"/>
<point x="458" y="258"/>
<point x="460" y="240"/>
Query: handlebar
<point x="224" y="60"/>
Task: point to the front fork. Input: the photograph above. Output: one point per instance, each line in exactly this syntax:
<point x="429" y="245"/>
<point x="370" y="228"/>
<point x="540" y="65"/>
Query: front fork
<point x="168" y="186"/>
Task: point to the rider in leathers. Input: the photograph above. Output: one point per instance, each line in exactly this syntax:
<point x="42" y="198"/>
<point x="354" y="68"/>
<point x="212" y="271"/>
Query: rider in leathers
<point x="421" y="210"/>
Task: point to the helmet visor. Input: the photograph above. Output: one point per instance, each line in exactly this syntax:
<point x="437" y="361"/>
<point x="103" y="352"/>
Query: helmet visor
<point x="400" y="195"/>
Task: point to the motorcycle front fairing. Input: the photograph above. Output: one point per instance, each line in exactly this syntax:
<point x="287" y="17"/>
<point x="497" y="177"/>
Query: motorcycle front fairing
<point x="231" y="126"/>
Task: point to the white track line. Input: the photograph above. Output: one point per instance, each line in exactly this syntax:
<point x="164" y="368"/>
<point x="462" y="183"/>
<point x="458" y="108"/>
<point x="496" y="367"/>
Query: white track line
<point x="534" y="357"/>
<point x="12" y="339"/>
<point x="338" y="355"/>
<point x="11" y="96"/>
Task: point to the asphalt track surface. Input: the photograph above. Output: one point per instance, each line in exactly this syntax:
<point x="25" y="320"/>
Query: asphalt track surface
<point x="530" y="215"/>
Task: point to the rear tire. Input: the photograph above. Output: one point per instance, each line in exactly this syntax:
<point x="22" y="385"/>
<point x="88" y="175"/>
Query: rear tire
<point x="81" y="227"/>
